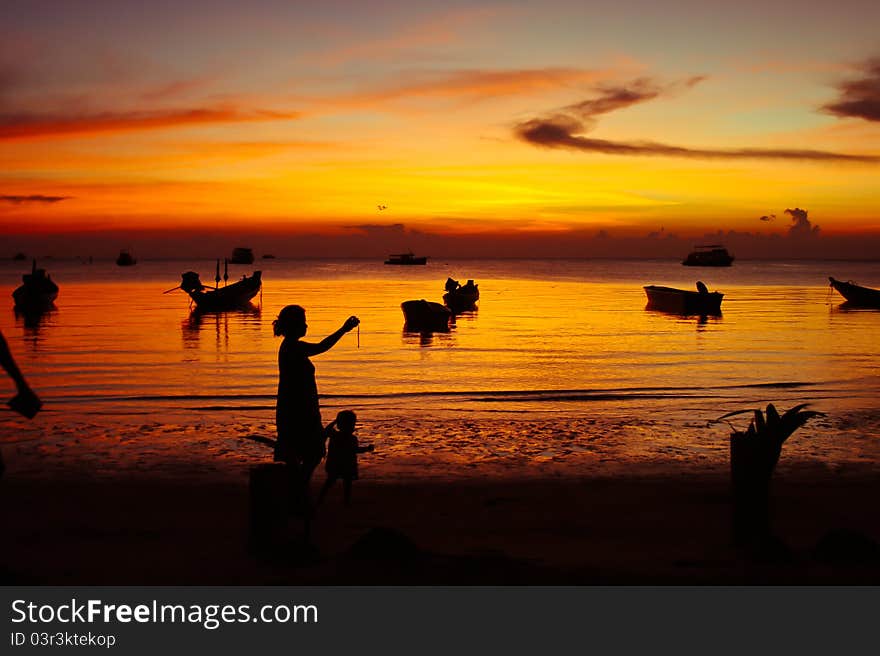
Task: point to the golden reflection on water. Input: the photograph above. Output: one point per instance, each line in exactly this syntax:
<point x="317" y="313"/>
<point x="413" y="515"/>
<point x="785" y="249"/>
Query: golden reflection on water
<point x="535" y="350"/>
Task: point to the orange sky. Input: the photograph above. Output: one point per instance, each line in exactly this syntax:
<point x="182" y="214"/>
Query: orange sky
<point x="525" y="119"/>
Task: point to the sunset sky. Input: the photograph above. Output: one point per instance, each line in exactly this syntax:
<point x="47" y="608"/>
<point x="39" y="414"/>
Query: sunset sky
<point x="515" y="120"/>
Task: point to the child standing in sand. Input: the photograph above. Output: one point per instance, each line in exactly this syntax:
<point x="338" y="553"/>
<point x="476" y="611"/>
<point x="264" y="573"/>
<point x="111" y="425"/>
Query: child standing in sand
<point x="342" y="453"/>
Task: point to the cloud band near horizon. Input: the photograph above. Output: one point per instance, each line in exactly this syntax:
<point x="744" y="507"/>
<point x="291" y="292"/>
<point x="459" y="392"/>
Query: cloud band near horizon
<point x="33" y="198"/>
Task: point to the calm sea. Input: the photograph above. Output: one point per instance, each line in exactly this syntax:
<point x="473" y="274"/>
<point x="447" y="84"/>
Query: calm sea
<point x="560" y="371"/>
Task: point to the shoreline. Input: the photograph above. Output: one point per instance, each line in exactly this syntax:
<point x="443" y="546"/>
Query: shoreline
<point x="641" y="528"/>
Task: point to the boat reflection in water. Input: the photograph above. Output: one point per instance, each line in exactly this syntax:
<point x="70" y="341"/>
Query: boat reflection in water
<point x="199" y="321"/>
<point x="429" y="337"/>
<point x="35" y="321"/>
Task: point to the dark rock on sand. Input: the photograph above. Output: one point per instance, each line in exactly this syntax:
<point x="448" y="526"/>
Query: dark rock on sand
<point x="383" y="543"/>
<point x="844" y="546"/>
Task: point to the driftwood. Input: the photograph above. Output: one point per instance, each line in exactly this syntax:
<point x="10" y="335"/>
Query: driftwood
<point x="753" y="457"/>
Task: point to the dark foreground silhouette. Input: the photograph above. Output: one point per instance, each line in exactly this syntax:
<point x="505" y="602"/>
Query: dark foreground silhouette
<point x="645" y="527"/>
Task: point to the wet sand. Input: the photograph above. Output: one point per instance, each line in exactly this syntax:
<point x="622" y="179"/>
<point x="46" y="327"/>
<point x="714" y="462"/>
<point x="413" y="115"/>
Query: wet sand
<point x="646" y="527"/>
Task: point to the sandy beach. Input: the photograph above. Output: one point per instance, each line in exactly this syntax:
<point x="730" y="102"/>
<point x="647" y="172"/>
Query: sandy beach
<point x="647" y="527"/>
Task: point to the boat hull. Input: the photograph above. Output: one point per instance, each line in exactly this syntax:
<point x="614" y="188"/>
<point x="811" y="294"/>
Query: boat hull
<point x="232" y="297"/>
<point x="424" y="315"/>
<point x="242" y="256"/>
<point x="125" y="259"/>
<point x="33" y="299"/>
<point x="709" y="256"/>
<point x="410" y="261"/>
<point x="461" y="301"/>
<point x="725" y="261"/>
<point x="857" y="295"/>
<point x="682" y="301"/>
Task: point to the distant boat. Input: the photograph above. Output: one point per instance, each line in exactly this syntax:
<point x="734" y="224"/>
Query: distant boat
<point x="424" y="315"/>
<point x="682" y="301"/>
<point x="38" y="290"/>
<point x="712" y="255"/>
<point x="461" y="298"/>
<point x="125" y="259"/>
<point x="406" y="258"/>
<point x="219" y="299"/>
<point x="242" y="256"/>
<point x="19" y="257"/>
<point x="857" y="295"/>
<point x="268" y="256"/>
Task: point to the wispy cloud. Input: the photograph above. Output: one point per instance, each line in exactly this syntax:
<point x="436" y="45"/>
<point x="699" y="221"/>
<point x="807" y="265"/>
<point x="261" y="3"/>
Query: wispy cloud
<point x="469" y="85"/>
<point x="565" y="128"/>
<point x="860" y="97"/>
<point x="39" y="126"/>
<point x="174" y="89"/>
<point x="33" y="198"/>
<point x="408" y="42"/>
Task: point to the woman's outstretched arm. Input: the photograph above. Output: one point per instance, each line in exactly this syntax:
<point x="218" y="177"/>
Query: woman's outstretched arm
<point x="330" y="340"/>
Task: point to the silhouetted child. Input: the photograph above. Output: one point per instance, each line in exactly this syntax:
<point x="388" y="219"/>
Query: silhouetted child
<point x="342" y="453"/>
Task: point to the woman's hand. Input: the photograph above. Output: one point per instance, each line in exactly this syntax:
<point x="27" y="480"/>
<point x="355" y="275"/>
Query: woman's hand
<point x="350" y="323"/>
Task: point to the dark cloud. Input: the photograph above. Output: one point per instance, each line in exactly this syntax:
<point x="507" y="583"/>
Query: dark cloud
<point x="860" y="97"/>
<point x="33" y="198"/>
<point x="767" y="217"/>
<point x="565" y="129"/>
<point x="616" y="97"/>
<point x="800" y="225"/>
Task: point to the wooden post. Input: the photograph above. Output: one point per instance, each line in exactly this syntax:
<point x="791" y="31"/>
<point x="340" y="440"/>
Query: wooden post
<point x="752" y="461"/>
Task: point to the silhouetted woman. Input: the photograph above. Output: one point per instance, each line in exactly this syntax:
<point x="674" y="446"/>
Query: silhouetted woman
<point x="297" y="413"/>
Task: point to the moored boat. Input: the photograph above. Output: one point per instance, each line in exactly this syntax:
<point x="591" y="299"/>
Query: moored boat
<point x="125" y="259"/>
<point x="242" y="256"/>
<point x="425" y="315"/>
<point x="461" y="298"/>
<point x="683" y="301"/>
<point x="711" y="255"/>
<point x="406" y="258"/>
<point x="219" y="299"/>
<point x="37" y="291"/>
<point x="855" y="294"/>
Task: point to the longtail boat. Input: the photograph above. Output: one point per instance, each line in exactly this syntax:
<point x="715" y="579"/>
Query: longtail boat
<point x="712" y="255"/>
<point x="425" y="315"/>
<point x="37" y="291"/>
<point x="856" y="294"/>
<point x="683" y="301"/>
<point x="406" y="258"/>
<point x="461" y="298"/>
<point x="219" y="299"/>
<point x="125" y="259"/>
